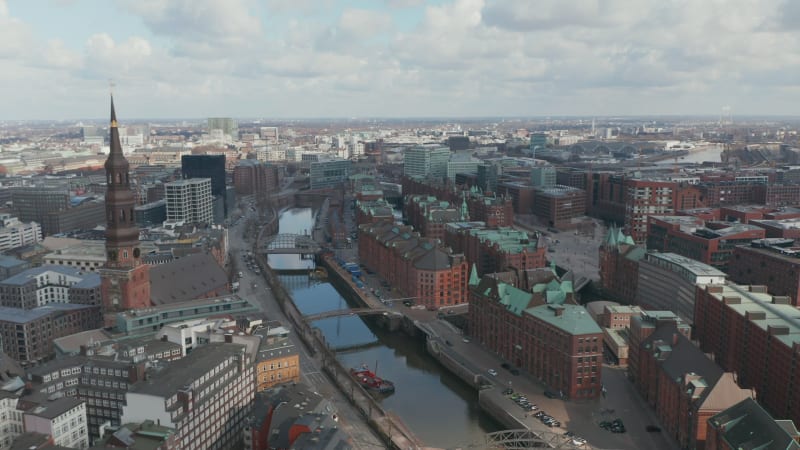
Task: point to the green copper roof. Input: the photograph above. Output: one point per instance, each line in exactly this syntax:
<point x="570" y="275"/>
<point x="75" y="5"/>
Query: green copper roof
<point x="515" y="300"/>
<point x="473" y="276"/>
<point x="574" y="319"/>
<point x="508" y="239"/>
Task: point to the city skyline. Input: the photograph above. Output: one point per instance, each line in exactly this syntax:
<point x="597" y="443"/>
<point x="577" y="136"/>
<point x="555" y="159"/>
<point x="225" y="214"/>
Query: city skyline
<point x="398" y="58"/>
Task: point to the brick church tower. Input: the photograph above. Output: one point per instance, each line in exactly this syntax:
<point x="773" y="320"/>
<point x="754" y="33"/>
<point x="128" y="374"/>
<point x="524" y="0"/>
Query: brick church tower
<point x="125" y="279"/>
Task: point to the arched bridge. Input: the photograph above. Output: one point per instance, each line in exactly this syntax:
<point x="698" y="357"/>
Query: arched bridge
<point x="345" y="312"/>
<point x="289" y="243"/>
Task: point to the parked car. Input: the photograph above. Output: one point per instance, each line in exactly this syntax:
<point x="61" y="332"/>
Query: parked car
<point x="653" y="429"/>
<point x="492" y="372"/>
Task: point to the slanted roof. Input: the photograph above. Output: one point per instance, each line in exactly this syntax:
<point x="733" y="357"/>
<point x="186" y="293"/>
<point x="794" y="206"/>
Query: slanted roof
<point x="746" y="425"/>
<point x="724" y="394"/>
<point x="187" y="278"/>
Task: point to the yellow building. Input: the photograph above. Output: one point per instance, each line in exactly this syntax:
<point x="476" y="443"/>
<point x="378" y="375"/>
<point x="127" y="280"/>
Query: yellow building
<point x="278" y="361"/>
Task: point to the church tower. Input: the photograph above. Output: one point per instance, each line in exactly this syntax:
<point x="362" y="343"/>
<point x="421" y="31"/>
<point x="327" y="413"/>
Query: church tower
<point x="125" y="279"/>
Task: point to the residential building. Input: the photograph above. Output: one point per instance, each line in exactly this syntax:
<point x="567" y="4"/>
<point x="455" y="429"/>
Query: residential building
<point x="14" y="233"/>
<point x="205" y="397"/>
<point x="683" y="386"/>
<point x="668" y="282"/>
<point x="27" y="335"/>
<point x="769" y="262"/>
<point x="559" y="344"/>
<point x="45" y="285"/>
<point x="10" y="266"/>
<point x="125" y="279"/>
<point x="278" y="361"/>
<point x="757" y="336"/>
<point x="645" y="198"/>
<point x="711" y="244"/>
<point x="11" y="424"/>
<point x="420" y="268"/>
<point x="87" y="256"/>
<point x="747" y="425"/>
<point x="213" y="168"/>
<point x="329" y="173"/>
<point x="426" y="161"/>
<point x="63" y="419"/>
<point x="190" y="201"/>
<point x="558" y="206"/>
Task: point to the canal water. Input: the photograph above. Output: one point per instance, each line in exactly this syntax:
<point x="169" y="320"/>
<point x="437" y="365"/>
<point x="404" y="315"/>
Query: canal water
<point x="438" y="407"/>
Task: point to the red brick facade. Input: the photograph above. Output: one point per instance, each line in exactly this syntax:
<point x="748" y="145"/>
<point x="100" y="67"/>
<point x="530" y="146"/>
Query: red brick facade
<point x="420" y="268"/>
<point x="535" y="339"/>
<point x="251" y="176"/>
<point x="495" y="250"/>
<point x="754" y="335"/>
<point x="762" y="266"/>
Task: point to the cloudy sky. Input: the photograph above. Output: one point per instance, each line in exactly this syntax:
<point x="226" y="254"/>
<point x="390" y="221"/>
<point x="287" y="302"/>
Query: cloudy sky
<point x="391" y="58"/>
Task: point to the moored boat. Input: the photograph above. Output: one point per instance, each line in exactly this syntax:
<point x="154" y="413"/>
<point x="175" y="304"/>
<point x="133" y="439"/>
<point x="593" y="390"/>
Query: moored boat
<point x="368" y="380"/>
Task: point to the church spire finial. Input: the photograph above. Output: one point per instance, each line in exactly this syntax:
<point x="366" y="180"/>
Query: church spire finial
<point x="113" y="113"/>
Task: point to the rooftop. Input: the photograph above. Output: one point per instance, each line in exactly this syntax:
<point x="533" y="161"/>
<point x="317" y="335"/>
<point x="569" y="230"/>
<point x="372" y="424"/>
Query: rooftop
<point x="187" y="278"/>
<point x="573" y="319"/>
<point x="781" y="320"/>
<point x="675" y="262"/>
<point x="52" y="409"/>
<point x="746" y="425"/>
<point x="508" y="239"/>
<point x="178" y="374"/>
<point x="26" y="276"/>
<point x="18" y="315"/>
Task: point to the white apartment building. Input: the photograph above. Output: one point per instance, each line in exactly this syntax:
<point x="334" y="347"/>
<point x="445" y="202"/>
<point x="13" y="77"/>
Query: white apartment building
<point x="189" y="201"/>
<point x="64" y="419"/>
<point x="205" y="397"/>
<point x="14" y="233"/>
<point x="11" y="424"/>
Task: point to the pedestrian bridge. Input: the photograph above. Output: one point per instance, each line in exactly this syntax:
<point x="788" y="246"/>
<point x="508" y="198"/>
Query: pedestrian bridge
<point x="526" y="439"/>
<point x="289" y="244"/>
<point x="346" y="312"/>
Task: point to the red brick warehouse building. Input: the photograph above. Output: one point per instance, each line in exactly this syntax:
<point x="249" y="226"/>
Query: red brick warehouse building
<point x="770" y="262"/>
<point x="421" y="268"/>
<point x="559" y="344"/>
<point x="757" y="336"/>
<point x="495" y="250"/>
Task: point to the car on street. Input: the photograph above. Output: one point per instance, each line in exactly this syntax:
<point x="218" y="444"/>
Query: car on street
<point x="492" y="372"/>
<point x="653" y="429"/>
<point x="465" y="340"/>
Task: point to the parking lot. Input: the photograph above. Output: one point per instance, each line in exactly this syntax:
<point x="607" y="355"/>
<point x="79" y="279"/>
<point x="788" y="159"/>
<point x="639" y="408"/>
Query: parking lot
<point x="582" y="418"/>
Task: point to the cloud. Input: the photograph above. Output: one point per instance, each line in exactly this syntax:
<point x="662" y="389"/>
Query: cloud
<point x="404" y="3"/>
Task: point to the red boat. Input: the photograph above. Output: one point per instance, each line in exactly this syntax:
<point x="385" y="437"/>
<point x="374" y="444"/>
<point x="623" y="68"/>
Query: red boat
<point x="370" y="381"/>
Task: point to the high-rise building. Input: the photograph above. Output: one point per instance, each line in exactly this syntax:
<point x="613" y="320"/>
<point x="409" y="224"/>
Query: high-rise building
<point x="125" y="280"/>
<point x="208" y="166"/>
<point x="426" y="161"/>
<point x="487" y="176"/>
<point x="225" y="124"/>
<point x="190" y="201"/>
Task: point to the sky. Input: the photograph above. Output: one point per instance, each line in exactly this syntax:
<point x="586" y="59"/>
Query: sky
<point x="397" y="58"/>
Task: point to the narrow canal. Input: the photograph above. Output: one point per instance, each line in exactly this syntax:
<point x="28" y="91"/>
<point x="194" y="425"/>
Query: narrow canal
<point x="438" y="407"/>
